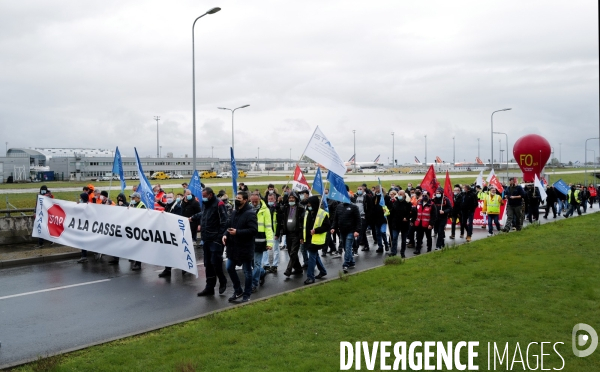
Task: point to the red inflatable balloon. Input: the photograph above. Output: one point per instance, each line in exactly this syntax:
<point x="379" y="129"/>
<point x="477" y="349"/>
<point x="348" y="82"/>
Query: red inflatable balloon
<point x="531" y="152"/>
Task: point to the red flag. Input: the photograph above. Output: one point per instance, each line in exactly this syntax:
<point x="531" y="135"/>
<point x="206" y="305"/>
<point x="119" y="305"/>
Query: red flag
<point x="448" y="189"/>
<point x="299" y="183"/>
<point x="430" y="182"/>
<point x="496" y="183"/>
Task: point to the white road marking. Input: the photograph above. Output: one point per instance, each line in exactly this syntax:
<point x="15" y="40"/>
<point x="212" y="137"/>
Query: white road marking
<point x="53" y="289"/>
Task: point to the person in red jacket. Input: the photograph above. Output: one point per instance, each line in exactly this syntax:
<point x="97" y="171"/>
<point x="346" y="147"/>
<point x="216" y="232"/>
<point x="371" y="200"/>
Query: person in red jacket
<point x="424" y="216"/>
<point x="593" y="195"/>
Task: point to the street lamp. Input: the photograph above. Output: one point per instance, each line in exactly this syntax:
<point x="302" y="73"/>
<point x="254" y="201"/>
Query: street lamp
<point x="232" y="111"/>
<point x="354" y="132"/>
<point x="478" y="148"/>
<point x="425" y="149"/>
<point x="453" y="150"/>
<point x="507" y="154"/>
<point x="559" y="153"/>
<point x="585" y="161"/>
<point x="157" y="118"/>
<point x="211" y="11"/>
<point x="492" y="135"/>
<point x="393" y="154"/>
<point x="258" y="159"/>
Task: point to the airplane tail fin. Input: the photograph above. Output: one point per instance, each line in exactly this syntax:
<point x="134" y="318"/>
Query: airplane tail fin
<point x="417" y="160"/>
<point x="352" y="159"/>
<point x="376" y="159"/>
<point x="478" y="160"/>
<point x="438" y="160"/>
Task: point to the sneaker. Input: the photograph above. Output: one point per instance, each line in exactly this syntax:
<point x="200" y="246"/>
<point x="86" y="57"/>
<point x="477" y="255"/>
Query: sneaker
<point x="245" y="299"/>
<point x="254" y="289"/>
<point x="352" y="266"/>
<point x="235" y="296"/>
<point x="417" y="253"/>
<point x="222" y="287"/>
<point x="309" y="281"/>
<point x="462" y="236"/>
<point x="267" y="268"/>
<point x="164" y="273"/>
<point x="321" y="275"/>
<point x="345" y="269"/>
<point x="380" y="250"/>
<point x="274" y="269"/>
<point x="355" y="254"/>
<point x="490" y="235"/>
<point x="451" y="236"/>
<point x="468" y="238"/>
<point x="412" y="245"/>
<point x="82" y="260"/>
<point x="261" y="281"/>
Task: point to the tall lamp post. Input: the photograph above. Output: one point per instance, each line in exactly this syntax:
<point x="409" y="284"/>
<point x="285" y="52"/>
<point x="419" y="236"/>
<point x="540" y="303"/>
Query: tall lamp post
<point x="157" y="118"/>
<point x="507" y="153"/>
<point x="393" y="154"/>
<point x="425" y="149"/>
<point x="492" y="135"/>
<point x="478" y="155"/>
<point x="211" y="11"/>
<point x="560" y="153"/>
<point x="354" y="133"/>
<point x="232" y="112"/>
<point x="258" y="159"/>
<point x="453" y="150"/>
<point x="585" y="161"/>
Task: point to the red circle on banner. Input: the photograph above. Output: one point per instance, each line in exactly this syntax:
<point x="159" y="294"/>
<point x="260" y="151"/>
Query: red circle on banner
<point x="531" y="152"/>
<point x="56" y="220"/>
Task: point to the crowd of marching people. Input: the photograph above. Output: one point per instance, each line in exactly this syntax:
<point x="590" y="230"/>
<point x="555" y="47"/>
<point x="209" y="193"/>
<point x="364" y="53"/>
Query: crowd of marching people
<point x="253" y="229"/>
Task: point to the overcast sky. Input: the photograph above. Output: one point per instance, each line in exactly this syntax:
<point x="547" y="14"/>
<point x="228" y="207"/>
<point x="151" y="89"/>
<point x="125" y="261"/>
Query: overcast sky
<point x="94" y="74"/>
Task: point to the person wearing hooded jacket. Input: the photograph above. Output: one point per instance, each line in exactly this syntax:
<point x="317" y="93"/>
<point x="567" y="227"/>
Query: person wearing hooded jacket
<point x="444" y="209"/>
<point x="346" y="222"/>
<point x="314" y="235"/>
<point x="400" y="222"/>
<point x="292" y="228"/>
<point x="242" y="228"/>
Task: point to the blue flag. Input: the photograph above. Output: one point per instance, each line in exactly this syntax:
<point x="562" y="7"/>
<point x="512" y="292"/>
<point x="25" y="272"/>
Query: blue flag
<point x="324" y="204"/>
<point x="337" y="188"/>
<point x="195" y="186"/>
<point x="318" y="183"/>
<point x="118" y="168"/>
<point x="561" y="186"/>
<point x="381" y="200"/>
<point x="145" y="189"/>
<point x="234" y="173"/>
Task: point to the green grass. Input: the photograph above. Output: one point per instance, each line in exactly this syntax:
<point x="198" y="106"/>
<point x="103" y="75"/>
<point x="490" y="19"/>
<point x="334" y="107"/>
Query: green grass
<point x="520" y="287"/>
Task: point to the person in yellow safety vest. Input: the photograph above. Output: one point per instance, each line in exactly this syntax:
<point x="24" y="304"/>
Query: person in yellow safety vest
<point x="491" y="206"/>
<point x="481" y="195"/>
<point x="316" y="226"/>
<point x="136" y="202"/>
<point x="573" y="198"/>
<point x="263" y="240"/>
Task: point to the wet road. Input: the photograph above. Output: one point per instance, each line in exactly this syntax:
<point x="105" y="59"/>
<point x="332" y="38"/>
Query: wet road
<point x="61" y="306"/>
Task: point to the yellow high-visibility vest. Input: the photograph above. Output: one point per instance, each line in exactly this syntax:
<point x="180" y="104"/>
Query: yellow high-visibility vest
<point x="317" y="239"/>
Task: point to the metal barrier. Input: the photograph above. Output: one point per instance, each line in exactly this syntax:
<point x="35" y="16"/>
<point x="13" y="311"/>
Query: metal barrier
<point x="7" y="212"/>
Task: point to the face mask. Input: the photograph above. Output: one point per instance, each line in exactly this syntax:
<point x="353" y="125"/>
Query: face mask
<point x="238" y="203"/>
<point x="178" y="199"/>
<point x="292" y="203"/>
<point x="270" y="191"/>
<point x="169" y="200"/>
<point x="438" y="195"/>
<point x="408" y="188"/>
<point x="378" y="193"/>
<point x="205" y="199"/>
<point x="43" y="192"/>
<point x="456" y="193"/>
<point x="120" y="202"/>
<point x="359" y="192"/>
<point x="309" y="208"/>
<point x="425" y="198"/>
<point x="400" y="197"/>
<point x="256" y="207"/>
<point x="302" y="197"/>
<point x="285" y="193"/>
<point x="188" y="197"/>
<point x="271" y="204"/>
<point x="224" y="200"/>
<point x="81" y="201"/>
<point x="102" y="197"/>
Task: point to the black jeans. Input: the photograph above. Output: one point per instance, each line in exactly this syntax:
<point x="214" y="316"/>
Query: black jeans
<point x="420" y="232"/>
<point x="550" y="205"/>
<point x="467" y="221"/>
<point x="440" y="226"/>
<point x="362" y="239"/>
<point x="293" y="245"/>
<point x="213" y="262"/>
<point x="455" y="218"/>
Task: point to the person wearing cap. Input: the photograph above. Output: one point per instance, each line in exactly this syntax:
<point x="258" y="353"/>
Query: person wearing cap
<point x="292" y="229"/>
<point x="104" y="199"/>
<point x="46" y="193"/>
<point x="243" y="187"/>
<point x="136" y="202"/>
<point x="315" y="227"/>
<point x="83" y="199"/>
<point x="444" y="210"/>
<point x="423" y="218"/>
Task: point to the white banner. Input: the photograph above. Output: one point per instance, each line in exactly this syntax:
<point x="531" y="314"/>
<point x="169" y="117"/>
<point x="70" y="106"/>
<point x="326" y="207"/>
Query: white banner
<point x="320" y="150"/>
<point x="144" y="235"/>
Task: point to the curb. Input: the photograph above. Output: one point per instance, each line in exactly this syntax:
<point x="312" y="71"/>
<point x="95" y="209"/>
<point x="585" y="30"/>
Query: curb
<point x="39" y="259"/>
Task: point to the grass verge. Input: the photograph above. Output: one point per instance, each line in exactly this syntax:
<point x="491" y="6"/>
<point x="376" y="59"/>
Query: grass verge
<point x="531" y="286"/>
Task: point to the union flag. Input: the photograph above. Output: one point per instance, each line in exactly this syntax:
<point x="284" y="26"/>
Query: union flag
<point x="430" y="182"/>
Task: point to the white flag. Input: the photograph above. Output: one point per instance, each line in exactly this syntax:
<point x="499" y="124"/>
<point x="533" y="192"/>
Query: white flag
<point x="320" y="150"/>
<point x="487" y="180"/>
<point x="479" y="180"/>
<point x="540" y="187"/>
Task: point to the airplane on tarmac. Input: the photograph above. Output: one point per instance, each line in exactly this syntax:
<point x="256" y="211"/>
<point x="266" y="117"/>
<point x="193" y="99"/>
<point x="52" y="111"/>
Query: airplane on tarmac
<point x="362" y="164"/>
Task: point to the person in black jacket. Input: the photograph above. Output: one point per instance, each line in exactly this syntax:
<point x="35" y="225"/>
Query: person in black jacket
<point x="346" y="223"/>
<point x="468" y="205"/>
<point x="444" y="209"/>
<point x="314" y="237"/>
<point x="242" y="227"/>
<point x="173" y="206"/>
<point x="213" y="221"/>
<point x="456" y="212"/>
<point x="551" y="199"/>
<point x="331" y="237"/>
<point x="190" y="207"/>
<point x="364" y="204"/>
<point x="400" y="222"/>
<point x="379" y="219"/>
<point x="293" y="218"/>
